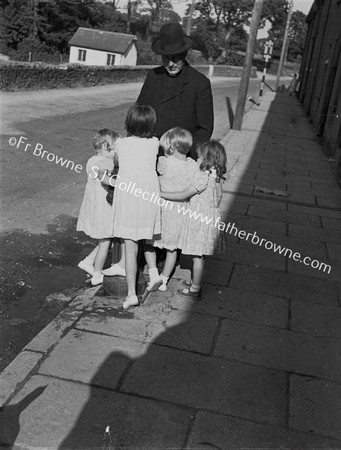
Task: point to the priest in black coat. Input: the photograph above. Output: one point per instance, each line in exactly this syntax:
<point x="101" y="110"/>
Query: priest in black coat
<point x="180" y="95"/>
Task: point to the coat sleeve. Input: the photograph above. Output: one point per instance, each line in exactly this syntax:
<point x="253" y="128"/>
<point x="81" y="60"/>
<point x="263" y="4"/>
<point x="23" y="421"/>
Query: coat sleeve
<point x="143" y="98"/>
<point x="204" y="112"/>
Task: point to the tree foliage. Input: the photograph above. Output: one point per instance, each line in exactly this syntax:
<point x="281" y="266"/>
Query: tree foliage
<point x="50" y="26"/>
<point x="219" y="26"/>
<point x="16" y="24"/>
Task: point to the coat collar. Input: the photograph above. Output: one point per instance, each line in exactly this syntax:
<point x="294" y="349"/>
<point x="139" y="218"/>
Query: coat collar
<point x="177" y="87"/>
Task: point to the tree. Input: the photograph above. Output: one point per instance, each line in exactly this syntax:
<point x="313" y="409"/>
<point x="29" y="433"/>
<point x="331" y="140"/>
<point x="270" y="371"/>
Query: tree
<point x="16" y="24"/>
<point x="276" y="12"/>
<point x="297" y="35"/>
<point x="225" y="15"/>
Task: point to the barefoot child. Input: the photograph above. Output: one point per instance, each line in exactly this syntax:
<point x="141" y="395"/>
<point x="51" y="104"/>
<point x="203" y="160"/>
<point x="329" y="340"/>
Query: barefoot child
<point x="96" y="214"/>
<point x="137" y="212"/>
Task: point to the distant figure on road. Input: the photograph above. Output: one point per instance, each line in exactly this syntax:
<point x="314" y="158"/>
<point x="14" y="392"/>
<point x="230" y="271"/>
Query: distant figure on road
<point x="180" y="95"/>
<point x="293" y="84"/>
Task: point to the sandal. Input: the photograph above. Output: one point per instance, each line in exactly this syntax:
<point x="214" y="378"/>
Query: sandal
<point x="187" y="293"/>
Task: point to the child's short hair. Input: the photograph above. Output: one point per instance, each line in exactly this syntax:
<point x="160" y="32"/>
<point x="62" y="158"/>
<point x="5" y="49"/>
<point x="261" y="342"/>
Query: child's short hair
<point x="176" y="137"/>
<point x="103" y="136"/>
<point x="213" y="156"/>
<point x="141" y="121"/>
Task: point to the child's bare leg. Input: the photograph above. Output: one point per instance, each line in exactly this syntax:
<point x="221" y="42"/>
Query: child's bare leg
<point x="198" y="272"/>
<point x="131" y="271"/>
<point x="101" y="255"/>
<point x="91" y="256"/>
<point x="119" y="267"/>
<point x="122" y="261"/>
<point x="87" y="264"/>
<point x="170" y="262"/>
<point x="154" y="277"/>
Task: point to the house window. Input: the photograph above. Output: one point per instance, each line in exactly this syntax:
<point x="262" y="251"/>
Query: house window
<point x="110" y="59"/>
<point x="81" y="55"/>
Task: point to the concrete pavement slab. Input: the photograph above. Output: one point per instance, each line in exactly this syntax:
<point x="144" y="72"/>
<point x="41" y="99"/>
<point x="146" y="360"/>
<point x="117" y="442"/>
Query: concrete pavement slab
<point x="323" y="212"/>
<point x="316" y="320"/>
<point x="331" y="223"/>
<point x="247" y="253"/>
<point x="308" y="289"/>
<point x="334" y="251"/>
<point x="17" y="372"/>
<point x="315" y="234"/>
<point x="51" y="334"/>
<point x="196" y="333"/>
<point x="79" y="355"/>
<point x="237" y="304"/>
<point x="329" y="201"/>
<point x="215" y="274"/>
<point x="209" y="383"/>
<point x="327" y="269"/>
<point x="72" y="415"/>
<point x="219" y="431"/>
<point x="285" y="216"/>
<point x="285" y="350"/>
<point x="315" y="406"/>
<point x="285" y="285"/>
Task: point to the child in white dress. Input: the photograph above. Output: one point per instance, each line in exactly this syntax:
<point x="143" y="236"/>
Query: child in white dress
<point x="96" y="214"/>
<point x="137" y="193"/>
<point x="176" y="172"/>
<point x="200" y="235"/>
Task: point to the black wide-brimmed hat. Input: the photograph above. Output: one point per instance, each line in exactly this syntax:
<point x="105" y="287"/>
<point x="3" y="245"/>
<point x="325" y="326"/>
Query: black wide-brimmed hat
<point x="172" y="40"/>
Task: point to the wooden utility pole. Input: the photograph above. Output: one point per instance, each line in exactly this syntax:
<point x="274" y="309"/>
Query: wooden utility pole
<point x="189" y="21"/>
<point x="284" y="45"/>
<point x="244" y="81"/>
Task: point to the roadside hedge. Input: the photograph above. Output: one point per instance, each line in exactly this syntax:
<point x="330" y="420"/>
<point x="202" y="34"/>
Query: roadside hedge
<point x="33" y="76"/>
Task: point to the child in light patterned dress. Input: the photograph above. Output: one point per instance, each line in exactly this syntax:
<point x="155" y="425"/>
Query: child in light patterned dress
<point x="176" y="171"/>
<point x="199" y="234"/>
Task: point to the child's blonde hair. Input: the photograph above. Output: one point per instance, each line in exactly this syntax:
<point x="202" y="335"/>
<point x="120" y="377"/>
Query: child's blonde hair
<point x="213" y="156"/>
<point x="104" y="136"/>
<point x="177" y="137"/>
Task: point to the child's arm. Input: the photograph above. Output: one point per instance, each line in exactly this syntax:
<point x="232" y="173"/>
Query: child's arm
<point x="180" y="195"/>
<point x="104" y="178"/>
<point x="198" y="185"/>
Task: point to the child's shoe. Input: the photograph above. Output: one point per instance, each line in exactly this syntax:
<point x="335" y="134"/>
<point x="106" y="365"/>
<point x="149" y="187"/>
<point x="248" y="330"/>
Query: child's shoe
<point x="187" y="293"/>
<point x="154" y="284"/>
<point x="130" y="301"/>
<point x="97" y="279"/>
<point x="114" y="270"/>
<point x="86" y="266"/>
<point x="163" y="286"/>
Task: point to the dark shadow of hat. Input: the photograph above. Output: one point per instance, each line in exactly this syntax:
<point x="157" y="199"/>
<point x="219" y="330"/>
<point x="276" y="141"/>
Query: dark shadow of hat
<point x="172" y="40"/>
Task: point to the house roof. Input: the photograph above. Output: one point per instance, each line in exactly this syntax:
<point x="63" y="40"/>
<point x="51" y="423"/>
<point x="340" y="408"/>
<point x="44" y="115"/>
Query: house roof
<point x="102" y="40"/>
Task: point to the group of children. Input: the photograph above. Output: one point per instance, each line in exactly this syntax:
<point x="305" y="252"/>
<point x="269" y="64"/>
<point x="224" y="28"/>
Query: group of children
<point x="188" y="184"/>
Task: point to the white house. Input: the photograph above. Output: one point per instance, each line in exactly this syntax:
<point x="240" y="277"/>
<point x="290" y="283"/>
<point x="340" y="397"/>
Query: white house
<point x="102" y="48"/>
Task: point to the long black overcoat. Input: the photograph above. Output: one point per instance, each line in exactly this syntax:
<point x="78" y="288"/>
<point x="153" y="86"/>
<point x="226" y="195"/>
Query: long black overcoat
<point x="188" y="104"/>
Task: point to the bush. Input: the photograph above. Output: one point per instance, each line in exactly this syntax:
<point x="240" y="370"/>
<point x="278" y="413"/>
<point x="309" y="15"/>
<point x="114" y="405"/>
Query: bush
<point x="14" y="75"/>
<point x="145" y="55"/>
<point x="45" y="76"/>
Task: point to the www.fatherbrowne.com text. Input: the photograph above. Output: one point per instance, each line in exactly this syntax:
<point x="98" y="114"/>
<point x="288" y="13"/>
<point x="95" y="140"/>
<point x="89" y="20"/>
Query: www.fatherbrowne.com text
<point x="229" y="227"/>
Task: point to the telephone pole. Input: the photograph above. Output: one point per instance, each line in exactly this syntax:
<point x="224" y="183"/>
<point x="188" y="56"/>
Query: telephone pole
<point x="244" y="81"/>
<point x="284" y="45"/>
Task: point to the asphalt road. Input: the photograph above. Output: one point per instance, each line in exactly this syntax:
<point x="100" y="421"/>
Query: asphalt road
<point x="35" y="189"/>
